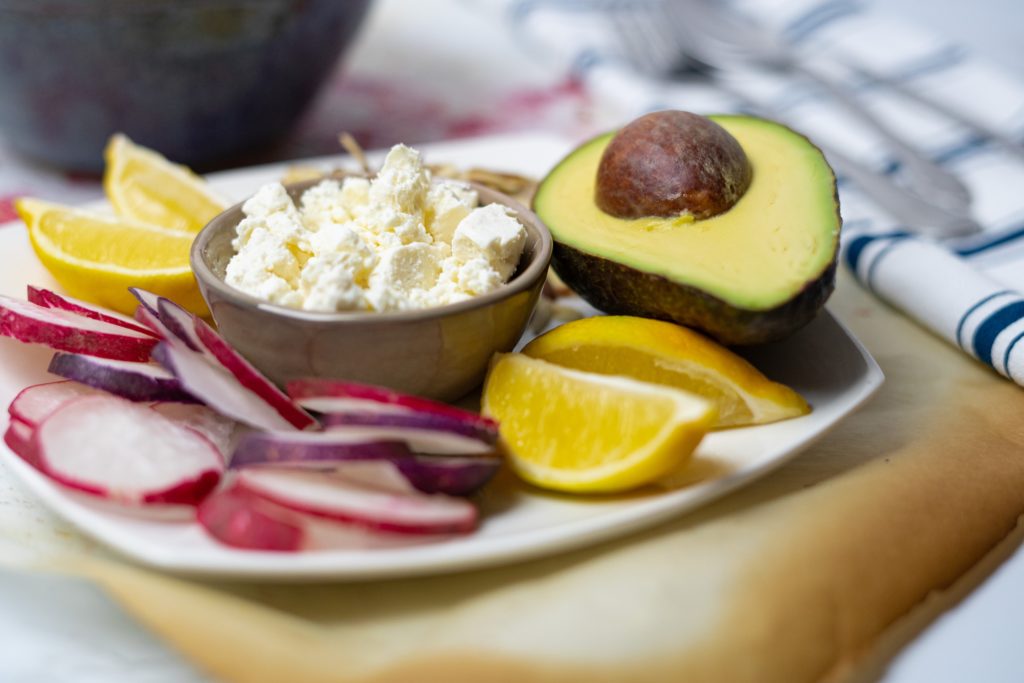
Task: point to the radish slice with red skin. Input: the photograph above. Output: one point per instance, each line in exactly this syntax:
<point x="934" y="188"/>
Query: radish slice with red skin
<point x="64" y="331"/>
<point x="242" y="519"/>
<point x="33" y="404"/>
<point x="339" y="451"/>
<point x="250" y="377"/>
<point x="318" y="450"/>
<point x="335" y="396"/>
<point x="195" y="333"/>
<point x="125" y="452"/>
<point x="181" y="323"/>
<point x="48" y="299"/>
<point x="221" y="431"/>
<point x="134" y="381"/>
<point x="424" y="441"/>
<point x="143" y="315"/>
<point x="435" y="422"/>
<point x="18" y="438"/>
<point x="218" y="388"/>
<point x="332" y="496"/>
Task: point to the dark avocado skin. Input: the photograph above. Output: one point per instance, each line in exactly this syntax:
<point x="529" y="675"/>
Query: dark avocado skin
<point x="618" y="289"/>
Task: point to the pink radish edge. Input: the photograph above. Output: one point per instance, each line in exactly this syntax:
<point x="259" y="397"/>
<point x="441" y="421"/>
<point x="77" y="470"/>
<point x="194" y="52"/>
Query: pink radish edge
<point x="331" y="496"/>
<point x="18" y="438"/>
<point x="244" y="520"/>
<point x="50" y="299"/>
<point x="125" y="452"/>
<point x="33" y="404"/>
<point x="313" y="388"/>
<point x="64" y="331"/>
<point x="251" y="378"/>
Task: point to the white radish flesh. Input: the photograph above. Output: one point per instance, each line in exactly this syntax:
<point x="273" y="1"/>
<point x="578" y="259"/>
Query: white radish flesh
<point x="426" y="441"/>
<point x="134" y="381"/>
<point x="221" y="431"/>
<point x="337" y="396"/>
<point x="250" y="377"/>
<point x="49" y="299"/>
<point x="218" y="388"/>
<point x="125" y="452"/>
<point x="66" y="331"/>
<point x="332" y="496"/>
<point x="426" y="423"/>
<point x="193" y="332"/>
<point x="33" y="404"/>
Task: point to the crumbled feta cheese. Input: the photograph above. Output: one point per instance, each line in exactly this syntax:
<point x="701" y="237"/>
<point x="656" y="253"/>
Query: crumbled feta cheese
<point x="404" y="275"/>
<point x="392" y="243"/>
<point x="492" y="234"/>
<point x="447" y="204"/>
<point x="402" y="182"/>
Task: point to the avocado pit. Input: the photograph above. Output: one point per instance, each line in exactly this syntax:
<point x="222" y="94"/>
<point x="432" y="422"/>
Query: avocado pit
<point x="669" y="163"/>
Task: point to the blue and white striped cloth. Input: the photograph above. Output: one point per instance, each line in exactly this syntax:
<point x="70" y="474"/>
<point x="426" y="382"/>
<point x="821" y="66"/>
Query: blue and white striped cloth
<point x="968" y="291"/>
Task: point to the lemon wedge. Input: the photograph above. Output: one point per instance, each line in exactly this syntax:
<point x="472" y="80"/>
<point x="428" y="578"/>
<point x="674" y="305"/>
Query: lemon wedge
<point x="671" y="355"/>
<point x="97" y="257"/>
<point x="574" y="431"/>
<point x="144" y="186"/>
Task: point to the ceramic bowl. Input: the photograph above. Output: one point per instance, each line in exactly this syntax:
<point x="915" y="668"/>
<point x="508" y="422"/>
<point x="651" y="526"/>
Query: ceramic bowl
<point x="439" y="353"/>
<point x="199" y="80"/>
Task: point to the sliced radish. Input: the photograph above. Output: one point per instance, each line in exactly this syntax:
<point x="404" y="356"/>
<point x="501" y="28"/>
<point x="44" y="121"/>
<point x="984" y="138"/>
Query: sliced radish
<point x="251" y="378"/>
<point x="334" y="396"/>
<point x="244" y="520"/>
<point x="384" y="508"/>
<point x="318" y="450"/>
<point x="181" y="323"/>
<point x="151" y="321"/>
<point x="18" y="438"/>
<point x="218" y="388"/>
<point x="64" y="331"/>
<point x="221" y="431"/>
<point x="191" y="331"/>
<point x="390" y="462"/>
<point x="33" y="404"/>
<point x="419" y="422"/>
<point x="48" y="299"/>
<point x="426" y="441"/>
<point x="125" y="452"/>
<point x="453" y="476"/>
<point x="134" y="381"/>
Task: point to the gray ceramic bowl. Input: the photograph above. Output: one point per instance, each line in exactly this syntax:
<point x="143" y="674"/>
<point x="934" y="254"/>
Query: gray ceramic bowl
<point x="438" y="352"/>
<point x="199" y="80"/>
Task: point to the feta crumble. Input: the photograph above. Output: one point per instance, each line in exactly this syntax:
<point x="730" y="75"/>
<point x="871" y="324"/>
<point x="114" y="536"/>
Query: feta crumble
<point x="393" y="243"/>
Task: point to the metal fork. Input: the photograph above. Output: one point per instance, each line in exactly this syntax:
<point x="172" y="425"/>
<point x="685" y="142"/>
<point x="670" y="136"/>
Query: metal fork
<point x="724" y="41"/>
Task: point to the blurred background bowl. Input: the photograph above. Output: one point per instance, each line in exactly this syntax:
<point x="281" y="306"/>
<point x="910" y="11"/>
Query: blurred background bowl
<point x="440" y="353"/>
<point x="199" y="80"/>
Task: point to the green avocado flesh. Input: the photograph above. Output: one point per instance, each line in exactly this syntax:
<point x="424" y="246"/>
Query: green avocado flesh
<point x="777" y="242"/>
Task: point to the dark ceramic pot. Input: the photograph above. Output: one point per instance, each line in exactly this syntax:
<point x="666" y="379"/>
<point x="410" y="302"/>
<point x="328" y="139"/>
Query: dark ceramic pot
<point x="199" y="80"/>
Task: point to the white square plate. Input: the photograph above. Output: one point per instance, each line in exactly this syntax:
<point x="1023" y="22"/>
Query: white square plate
<point x="824" y="362"/>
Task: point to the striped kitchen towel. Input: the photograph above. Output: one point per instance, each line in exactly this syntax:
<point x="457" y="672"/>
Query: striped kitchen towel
<point x="967" y="291"/>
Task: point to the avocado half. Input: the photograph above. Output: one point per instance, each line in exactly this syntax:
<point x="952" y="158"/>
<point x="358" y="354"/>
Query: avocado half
<point x="753" y="274"/>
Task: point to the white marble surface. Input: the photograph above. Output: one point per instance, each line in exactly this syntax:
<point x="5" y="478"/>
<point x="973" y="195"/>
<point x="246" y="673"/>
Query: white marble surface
<point x="65" y="631"/>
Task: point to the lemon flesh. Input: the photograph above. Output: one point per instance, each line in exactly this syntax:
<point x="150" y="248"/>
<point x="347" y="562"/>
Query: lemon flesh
<point x="144" y="186"/>
<point x="573" y="431"/>
<point x="670" y="355"/>
<point x="96" y="257"/>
